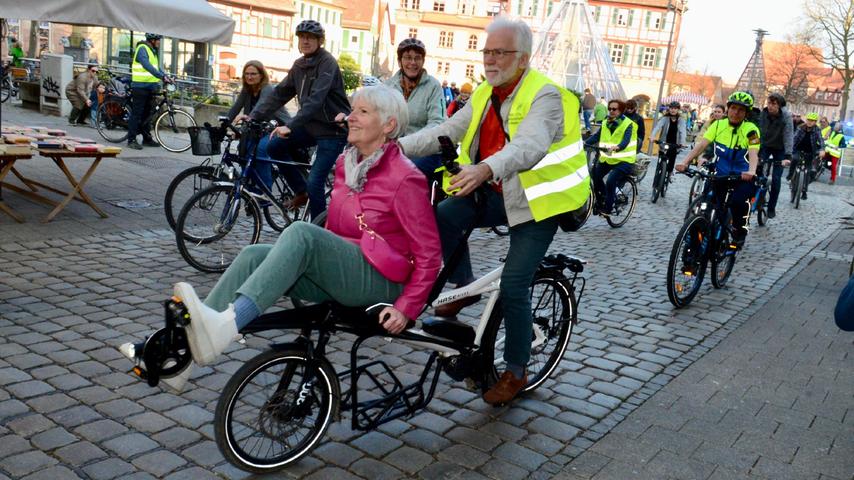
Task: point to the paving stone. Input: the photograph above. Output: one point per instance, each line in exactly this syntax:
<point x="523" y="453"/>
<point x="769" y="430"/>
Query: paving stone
<point x="338" y="454"/>
<point x="13" y="444"/>
<point x="74" y="416"/>
<point x="53" y="473"/>
<point x="29" y="425"/>
<point x="149" y="422"/>
<point x="521" y="456"/>
<point x="79" y="453"/>
<point x="376" y="444"/>
<point x="159" y="463"/>
<point x="53" y="438"/>
<point x="25" y="463"/>
<point x="100" y="430"/>
<point x="108" y="469"/>
<point x="408" y="459"/>
<point x="130" y="444"/>
<point x="190" y="416"/>
<point x="425" y="440"/>
<point x="176" y="437"/>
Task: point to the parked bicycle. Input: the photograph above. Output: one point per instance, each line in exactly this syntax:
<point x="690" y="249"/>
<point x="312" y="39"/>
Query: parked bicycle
<point x="8" y="86"/>
<point x="216" y="223"/>
<point x="169" y="123"/>
<point x="625" y="197"/>
<point x="705" y="237"/>
<point x="276" y="408"/>
<point x="662" y="177"/>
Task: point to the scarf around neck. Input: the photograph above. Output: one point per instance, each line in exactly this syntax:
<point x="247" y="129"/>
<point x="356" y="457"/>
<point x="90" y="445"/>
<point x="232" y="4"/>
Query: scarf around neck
<point x="407" y="85"/>
<point x="355" y="171"/>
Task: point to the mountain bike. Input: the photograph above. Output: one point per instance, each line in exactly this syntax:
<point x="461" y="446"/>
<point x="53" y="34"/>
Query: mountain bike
<point x="625" y="197"/>
<point x="218" y="221"/>
<point x="276" y="408"/>
<point x="169" y="123"/>
<point x="759" y="201"/>
<point x="800" y="179"/>
<point x="662" y="177"/>
<point x="704" y="238"/>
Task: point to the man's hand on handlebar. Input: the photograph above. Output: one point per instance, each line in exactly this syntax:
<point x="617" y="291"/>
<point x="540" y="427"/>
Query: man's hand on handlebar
<point x="281" y="132"/>
<point x="682" y="167"/>
<point x="241" y="118"/>
<point x="469" y="178"/>
<point x="393" y="320"/>
<point x="748" y="176"/>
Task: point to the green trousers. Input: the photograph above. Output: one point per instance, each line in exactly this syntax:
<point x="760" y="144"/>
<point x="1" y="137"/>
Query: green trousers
<point x="308" y="263"/>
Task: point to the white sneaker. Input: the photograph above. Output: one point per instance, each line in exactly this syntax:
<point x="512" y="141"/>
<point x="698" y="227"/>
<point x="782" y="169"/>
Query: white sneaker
<point x="209" y="331"/>
<point x="176" y="383"/>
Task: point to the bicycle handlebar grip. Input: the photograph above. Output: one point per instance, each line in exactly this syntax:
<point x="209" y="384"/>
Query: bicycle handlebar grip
<point x="449" y="155"/>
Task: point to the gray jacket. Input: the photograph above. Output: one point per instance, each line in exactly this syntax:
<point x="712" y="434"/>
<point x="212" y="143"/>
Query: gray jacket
<point x="772" y="128"/>
<point x="426" y="102"/>
<point x="244" y="101"/>
<point x="663" y="126"/>
<point x="535" y="134"/>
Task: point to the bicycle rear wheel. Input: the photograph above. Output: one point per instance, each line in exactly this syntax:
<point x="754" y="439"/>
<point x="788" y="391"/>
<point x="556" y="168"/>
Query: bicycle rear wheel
<point x="186" y="184"/>
<point x="696" y="189"/>
<point x="761" y="212"/>
<point x="112" y="121"/>
<point x="275" y="410"/>
<point x="214" y="226"/>
<point x="799" y="187"/>
<point x="553" y="308"/>
<point x="624" y="204"/>
<point x="723" y="261"/>
<point x="170" y="130"/>
<point x="687" y="264"/>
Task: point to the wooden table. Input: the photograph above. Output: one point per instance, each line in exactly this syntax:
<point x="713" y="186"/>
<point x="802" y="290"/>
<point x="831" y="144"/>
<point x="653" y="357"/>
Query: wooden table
<point x="77" y="193"/>
<point x="7" y="164"/>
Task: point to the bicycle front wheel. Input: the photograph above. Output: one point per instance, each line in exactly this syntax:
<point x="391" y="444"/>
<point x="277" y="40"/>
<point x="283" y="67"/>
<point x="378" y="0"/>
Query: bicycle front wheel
<point x="186" y="184"/>
<point x="553" y="308"/>
<point x="215" y="225"/>
<point x="170" y="130"/>
<point x="624" y="204"/>
<point x="761" y="211"/>
<point x="687" y="264"/>
<point x="5" y="90"/>
<point x="657" y="179"/>
<point x="112" y="121"/>
<point x="275" y="410"/>
<point x="723" y="261"/>
<point x="799" y="189"/>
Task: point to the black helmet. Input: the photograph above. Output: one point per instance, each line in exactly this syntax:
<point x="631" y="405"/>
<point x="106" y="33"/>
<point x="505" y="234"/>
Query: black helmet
<point x="150" y="37"/>
<point x="411" y="44"/>
<point x="311" y="26"/>
<point x="778" y="98"/>
<point x="674" y="104"/>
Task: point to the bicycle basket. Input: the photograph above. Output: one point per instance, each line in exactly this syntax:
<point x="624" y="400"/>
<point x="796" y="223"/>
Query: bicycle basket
<point x="641" y="164"/>
<point x="206" y="141"/>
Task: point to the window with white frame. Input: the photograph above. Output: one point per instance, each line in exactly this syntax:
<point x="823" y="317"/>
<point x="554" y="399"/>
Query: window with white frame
<point x="439" y="6"/>
<point x="622" y="17"/>
<point x="413" y="33"/>
<point x="649" y="55"/>
<point x="617" y="53"/>
<point x="472" y="42"/>
<point x="657" y="21"/>
<point x="446" y="39"/>
<point x="469" y="71"/>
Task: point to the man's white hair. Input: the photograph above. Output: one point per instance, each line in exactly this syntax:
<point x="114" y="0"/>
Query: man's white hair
<point x="522" y="32"/>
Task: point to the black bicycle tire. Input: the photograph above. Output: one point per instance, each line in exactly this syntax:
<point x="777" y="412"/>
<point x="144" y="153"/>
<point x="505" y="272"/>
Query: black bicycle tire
<point x="618" y="224"/>
<point x="224" y="431"/>
<point x="501" y="230"/>
<point x="156" y="129"/>
<point x="800" y="188"/>
<point x="180" y="238"/>
<point x="6" y="90"/>
<point x="761" y="211"/>
<point x="656" y="181"/>
<point x="566" y="295"/>
<point x="675" y="256"/>
<point x="665" y="182"/>
<point x="279" y="197"/>
<point x="695" y="191"/>
<point x="728" y="260"/>
<point x="102" y="129"/>
<point x="199" y="170"/>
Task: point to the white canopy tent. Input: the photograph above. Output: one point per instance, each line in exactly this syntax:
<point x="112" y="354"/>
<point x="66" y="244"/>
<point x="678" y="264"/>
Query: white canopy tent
<point x="192" y="20"/>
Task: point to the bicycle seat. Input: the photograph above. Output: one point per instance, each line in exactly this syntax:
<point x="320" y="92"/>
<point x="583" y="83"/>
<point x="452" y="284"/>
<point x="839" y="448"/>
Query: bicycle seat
<point x="449" y="328"/>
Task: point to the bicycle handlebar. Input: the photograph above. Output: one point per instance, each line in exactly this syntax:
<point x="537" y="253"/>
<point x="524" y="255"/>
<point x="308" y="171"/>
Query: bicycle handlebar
<point x="690" y="172"/>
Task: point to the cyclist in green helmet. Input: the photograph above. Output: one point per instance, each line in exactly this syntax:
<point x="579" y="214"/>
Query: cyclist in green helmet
<point x="736" y="143"/>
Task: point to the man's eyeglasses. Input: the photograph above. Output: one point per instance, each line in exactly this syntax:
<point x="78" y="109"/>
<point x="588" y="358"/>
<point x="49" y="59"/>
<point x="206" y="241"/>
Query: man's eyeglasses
<point x="497" y="52"/>
<point x="412" y="58"/>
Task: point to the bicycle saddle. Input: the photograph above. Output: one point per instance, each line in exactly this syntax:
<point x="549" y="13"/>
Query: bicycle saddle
<point x="449" y="328"/>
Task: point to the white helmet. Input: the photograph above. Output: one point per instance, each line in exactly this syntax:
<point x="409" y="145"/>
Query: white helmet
<point x="370" y="81"/>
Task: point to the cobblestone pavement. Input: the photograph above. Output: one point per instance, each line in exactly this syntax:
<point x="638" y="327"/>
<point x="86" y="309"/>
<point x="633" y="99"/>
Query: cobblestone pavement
<point x="71" y="292"/>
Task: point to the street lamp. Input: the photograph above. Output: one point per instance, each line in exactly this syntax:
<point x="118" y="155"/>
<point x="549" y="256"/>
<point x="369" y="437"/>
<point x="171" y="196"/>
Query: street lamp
<point x="670" y="6"/>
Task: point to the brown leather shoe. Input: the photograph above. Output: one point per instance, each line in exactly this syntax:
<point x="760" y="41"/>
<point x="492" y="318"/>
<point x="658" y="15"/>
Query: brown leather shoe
<point x="299" y="200"/>
<point x="453" y="308"/>
<point x="506" y="389"/>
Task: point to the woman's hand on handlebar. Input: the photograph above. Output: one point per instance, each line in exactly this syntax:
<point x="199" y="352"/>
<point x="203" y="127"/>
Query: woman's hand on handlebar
<point x="748" y="176"/>
<point x="469" y="178"/>
<point x="682" y="167"/>
<point x="281" y="132"/>
<point x="241" y="118"/>
<point x="393" y="320"/>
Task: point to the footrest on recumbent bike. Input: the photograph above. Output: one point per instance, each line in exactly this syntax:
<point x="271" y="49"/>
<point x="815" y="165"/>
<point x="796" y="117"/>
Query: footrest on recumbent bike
<point x="449" y="328"/>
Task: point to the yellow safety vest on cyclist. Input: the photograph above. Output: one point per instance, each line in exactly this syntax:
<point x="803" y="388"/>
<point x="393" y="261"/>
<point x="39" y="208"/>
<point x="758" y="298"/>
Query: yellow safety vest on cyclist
<point x="138" y="72"/>
<point x="559" y="182"/>
<point x="612" y="139"/>
<point x="831" y="146"/>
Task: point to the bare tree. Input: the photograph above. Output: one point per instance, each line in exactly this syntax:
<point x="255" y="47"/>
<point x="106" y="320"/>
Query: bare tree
<point x="830" y="25"/>
<point x="33" y="49"/>
<point x="680" y="58"/>
<point x="787" y="69"/>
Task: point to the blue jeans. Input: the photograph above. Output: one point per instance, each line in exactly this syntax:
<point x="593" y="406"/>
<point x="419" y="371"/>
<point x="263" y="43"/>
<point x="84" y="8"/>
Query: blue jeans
<point x="428" y="164"/>
<point x="529" y="243"/>
<point x="776" y="173"/>
<point x="587" y="114"/>
<point x="608" y="190"/>
<point x="327" y="153"/>
<point x="93" y="113"/>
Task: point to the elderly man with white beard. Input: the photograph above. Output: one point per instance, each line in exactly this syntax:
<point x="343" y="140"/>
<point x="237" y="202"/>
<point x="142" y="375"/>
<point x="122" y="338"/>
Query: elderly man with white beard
<point x="520" y="132"/>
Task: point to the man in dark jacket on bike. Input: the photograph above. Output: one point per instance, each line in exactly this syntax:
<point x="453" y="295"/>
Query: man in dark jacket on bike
<point x="807" y="143"/>
<point x="776" y="130"/>
<point x="316" y="80"/>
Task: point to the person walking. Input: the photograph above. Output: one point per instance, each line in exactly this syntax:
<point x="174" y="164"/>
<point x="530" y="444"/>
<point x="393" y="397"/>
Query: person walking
<point x="16" y="51"/>
<point x="588" y="103"/>
<point x="833" y="146"/>
<point x="78" y="92"/>
<point x="145" y="85"/>
<point x="600" y="111"/>
<point x="777" y="133"/>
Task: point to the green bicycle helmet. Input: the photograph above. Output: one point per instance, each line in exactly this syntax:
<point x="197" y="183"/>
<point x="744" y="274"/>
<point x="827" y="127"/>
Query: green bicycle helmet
<point x="743" y="98"/>
<point x="812" y="116"/>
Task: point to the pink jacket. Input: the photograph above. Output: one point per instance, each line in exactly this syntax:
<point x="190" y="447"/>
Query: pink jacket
<point x="397" y="206"/>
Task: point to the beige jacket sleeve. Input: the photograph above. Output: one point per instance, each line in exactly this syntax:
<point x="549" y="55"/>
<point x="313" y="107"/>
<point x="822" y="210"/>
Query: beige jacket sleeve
<point x="83" y="85"/>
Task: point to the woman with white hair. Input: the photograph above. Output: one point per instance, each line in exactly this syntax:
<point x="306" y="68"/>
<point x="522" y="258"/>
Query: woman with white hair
<point x="378" y="192"/>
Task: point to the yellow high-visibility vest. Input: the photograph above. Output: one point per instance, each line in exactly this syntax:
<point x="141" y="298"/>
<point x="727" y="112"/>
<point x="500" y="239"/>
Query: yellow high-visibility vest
<point x="613" y="139"/>
<point x="831" y="146"/>
<point x="559" y="182"/>
<point x="138" y="73"/>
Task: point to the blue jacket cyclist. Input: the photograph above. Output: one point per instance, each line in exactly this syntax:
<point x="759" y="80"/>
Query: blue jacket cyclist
<point x="619" y="136"/>
<point x="736" y="146"/>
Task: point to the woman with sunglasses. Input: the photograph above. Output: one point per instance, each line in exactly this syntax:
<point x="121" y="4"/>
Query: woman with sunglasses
<point x="619" y="136"/>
